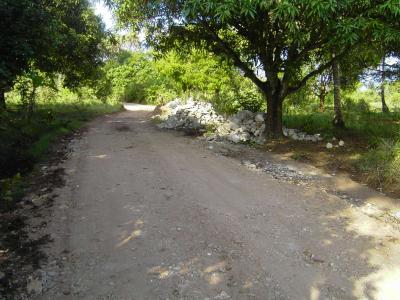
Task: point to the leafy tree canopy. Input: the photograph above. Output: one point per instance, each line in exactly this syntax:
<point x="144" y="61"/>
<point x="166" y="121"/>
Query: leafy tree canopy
<point x="62" y="36"/>
<point x="270" y="41"/>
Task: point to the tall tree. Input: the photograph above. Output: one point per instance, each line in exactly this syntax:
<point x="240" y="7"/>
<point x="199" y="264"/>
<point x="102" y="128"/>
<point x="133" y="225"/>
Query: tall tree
<point x="337" y="98"/>
<point x="386" y="71"/>
<point x="270" y="41"/>
<point x="383" y="69"/>
<point x="385" y="108"/>
<point x="321" y="88"/>
<point x="61" y="36"/>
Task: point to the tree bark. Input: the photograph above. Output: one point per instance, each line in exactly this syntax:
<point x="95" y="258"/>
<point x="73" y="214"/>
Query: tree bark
<point x="2" y="100"/>
<point x="31" y="101"/>
<point x="337" y="99"/>
<point x="322" y="95"/>
<point x="322" y="103"/>
<point x="385" y="108"/>
<point x="273" y="122"/>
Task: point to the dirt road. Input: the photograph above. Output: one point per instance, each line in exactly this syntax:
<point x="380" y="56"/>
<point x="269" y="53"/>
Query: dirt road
<point x="152" y="214"/>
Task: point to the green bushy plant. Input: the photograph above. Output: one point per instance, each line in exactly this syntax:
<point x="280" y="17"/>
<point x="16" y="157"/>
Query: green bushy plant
<point x="382" y="164"/>
<point x="24" y="140"/>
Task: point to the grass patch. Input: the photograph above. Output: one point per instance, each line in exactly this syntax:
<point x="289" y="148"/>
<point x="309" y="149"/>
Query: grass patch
<point x="370" y="126"/>
<point x="377" y="135"/>
<point x="382" y="165"/>
<point x="300" y="156"/>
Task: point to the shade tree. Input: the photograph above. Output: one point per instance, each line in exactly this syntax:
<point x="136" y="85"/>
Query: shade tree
<point x="51" y="36"/>
<point x="269" y="41"/>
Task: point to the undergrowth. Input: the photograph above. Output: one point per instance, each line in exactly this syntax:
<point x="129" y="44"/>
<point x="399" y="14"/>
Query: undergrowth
<point x="371" y="126"/>
<point x="25" y="140"/>
<point x="379" y="132"/>
<point x="382" y="165"/>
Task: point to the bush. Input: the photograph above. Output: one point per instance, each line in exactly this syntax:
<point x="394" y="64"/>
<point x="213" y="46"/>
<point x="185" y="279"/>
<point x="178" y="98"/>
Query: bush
<point x="360" y="106"/>
<point x="383" y="164"/>
<point x="26" y="138"/>
<point x="310" y="123"/>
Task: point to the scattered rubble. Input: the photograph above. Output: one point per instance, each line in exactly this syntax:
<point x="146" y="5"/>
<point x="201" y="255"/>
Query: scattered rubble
<point x="279" y="171"/>
<point x="244" y="126"/>
<point x="331" y="145"/>
<point x="296" y="134"/>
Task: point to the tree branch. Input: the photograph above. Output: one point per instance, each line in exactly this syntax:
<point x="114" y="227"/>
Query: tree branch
<point x="248" y="72"/>
<point x="317" y="71"/>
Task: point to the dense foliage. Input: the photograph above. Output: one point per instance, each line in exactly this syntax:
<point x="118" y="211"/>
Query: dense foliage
<point x="52" y="36"/>
<point x="26" y="138"/>
<point x="141" y="77"/>
<point x="45" y="46"/>
<point x="270" y="41"/>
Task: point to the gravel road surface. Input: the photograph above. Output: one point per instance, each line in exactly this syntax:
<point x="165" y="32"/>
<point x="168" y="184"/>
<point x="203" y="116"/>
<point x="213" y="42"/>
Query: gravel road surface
<point x="153" y="214"/>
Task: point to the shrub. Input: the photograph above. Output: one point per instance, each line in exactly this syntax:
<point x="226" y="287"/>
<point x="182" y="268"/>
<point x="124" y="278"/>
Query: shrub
<point x="383" y="164"/>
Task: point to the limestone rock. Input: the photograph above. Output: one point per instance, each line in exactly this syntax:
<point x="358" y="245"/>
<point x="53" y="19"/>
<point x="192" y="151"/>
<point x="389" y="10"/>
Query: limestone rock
<point x="244" y="126"/>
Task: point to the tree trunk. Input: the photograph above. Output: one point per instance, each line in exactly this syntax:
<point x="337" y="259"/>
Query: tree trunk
<point x="273" y="122"/>
<point x="2" y="100"/>
<point x="31" y="101"/>
<point x="385" y="108"/>
<point x="322" y="101"/>
<point x="337" y="101"/>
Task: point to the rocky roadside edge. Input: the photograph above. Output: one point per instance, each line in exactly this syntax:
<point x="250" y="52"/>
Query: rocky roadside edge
<point x="22" y="240"/>
<point x="368" y="201"/>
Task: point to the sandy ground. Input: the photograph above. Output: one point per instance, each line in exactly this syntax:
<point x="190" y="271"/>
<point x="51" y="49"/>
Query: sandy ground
<point x="153" y="214"/>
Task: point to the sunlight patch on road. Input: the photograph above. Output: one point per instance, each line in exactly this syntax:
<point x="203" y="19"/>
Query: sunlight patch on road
<point x="315" y="288"/>
<point x="160" y="272"/>
<point x="212" y="274"/>
<point x="383" y="284"/>
<point x="101" y="156"/>
<point x="327" y="242"/>
<point x="381" y="255"/>
<point x="138" y="107"/>
<point x="314" y="293"/>
<point x="133" y="235"/>
<point x="215" y="267"/>
<point x="214" y="278"/>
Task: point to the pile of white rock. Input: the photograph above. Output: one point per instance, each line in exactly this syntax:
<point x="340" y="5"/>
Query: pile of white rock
<point x="245" y="126"/>
<point x="298" y="135"/>
<point x="189" y="115"/>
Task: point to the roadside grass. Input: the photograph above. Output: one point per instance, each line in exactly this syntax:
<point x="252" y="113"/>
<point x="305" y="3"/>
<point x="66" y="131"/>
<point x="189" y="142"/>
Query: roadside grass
<point x="379" y="160"/>
<point x="25" y="140"/>
<point x="370" y="126"/>
<point x="382" y="165"/>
